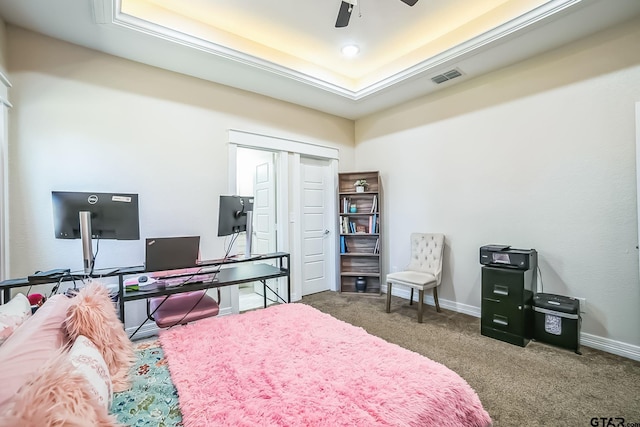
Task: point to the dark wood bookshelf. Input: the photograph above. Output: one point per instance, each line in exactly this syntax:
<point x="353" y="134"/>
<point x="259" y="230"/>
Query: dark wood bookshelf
<point x="360" y="237"/>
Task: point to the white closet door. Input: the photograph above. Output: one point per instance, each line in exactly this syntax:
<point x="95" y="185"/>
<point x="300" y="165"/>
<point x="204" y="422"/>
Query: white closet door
<point x="316" y="189"/>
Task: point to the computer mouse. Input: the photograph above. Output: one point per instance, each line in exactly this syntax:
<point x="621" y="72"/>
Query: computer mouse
<point x="142" y="279"/>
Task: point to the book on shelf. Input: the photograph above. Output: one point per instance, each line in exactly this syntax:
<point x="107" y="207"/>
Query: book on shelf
<point x="376" y="248"/>
<point x="374" y="204"/>
<point x="343" y="245"/>
<point x="346" y="204"/>
<point x="373" y="223"/>
<point x="344" y="224"/>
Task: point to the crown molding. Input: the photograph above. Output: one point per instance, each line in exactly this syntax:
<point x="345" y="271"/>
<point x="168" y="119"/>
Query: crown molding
<point x="134" y="23"/>
<point x="471" y="46"/>
<point x="426" y="67"/>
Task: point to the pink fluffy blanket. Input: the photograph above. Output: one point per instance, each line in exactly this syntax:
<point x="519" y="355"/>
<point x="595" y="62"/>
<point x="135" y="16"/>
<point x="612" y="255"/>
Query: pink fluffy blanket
<point x="292" y="365"/>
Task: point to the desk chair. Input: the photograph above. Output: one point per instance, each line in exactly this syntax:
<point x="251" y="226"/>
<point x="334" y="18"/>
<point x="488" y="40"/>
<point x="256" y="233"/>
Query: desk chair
<point x="182" y="308"/>
<point x="424" y="270"/>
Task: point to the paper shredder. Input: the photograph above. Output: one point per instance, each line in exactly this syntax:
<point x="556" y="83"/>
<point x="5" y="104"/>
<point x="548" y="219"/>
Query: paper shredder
<point x="557" y="320"/>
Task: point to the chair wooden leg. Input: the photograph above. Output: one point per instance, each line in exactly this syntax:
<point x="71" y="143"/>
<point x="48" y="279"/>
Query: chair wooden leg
<point x="435" y="298"/>
<point x="388" y="297"/>
<point x="411" y="297"/>
<point x="420" y="303"/>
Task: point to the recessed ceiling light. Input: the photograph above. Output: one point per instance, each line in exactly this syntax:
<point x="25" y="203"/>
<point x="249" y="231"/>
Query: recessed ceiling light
<point x="350" y="50"/>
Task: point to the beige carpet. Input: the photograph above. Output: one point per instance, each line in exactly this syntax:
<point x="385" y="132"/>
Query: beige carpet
<point x="538" y="385"/>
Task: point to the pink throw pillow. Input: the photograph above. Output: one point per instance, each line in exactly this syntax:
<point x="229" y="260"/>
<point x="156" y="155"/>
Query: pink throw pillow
<point x="12" y="315"/>
<point x="94" y="316"/>
<point x="32" y="344"/>
<point x="56" y="395"/>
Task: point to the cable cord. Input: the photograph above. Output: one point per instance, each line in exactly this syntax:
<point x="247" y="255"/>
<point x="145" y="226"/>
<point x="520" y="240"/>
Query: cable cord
<point x="541" y="282"/>
<point x="57" y="285"/>
<point x="95" y="255"/>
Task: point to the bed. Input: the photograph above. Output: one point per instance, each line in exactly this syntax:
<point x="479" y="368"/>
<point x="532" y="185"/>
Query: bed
<point x="289" y="365"/>
<point x="72" y="364"/>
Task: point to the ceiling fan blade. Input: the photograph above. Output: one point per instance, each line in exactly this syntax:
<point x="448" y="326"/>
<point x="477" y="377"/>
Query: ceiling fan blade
<point x="409" y="2"/>
<point x="344" y="14"/>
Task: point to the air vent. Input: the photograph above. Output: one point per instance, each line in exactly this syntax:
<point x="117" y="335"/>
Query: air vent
<point x="439" y="79"/>
<point x="451" y="74"/>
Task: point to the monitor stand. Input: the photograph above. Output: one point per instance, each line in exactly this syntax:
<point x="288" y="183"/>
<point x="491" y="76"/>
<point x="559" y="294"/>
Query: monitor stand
<point x="85" y="236"/>
<point x="248" y="235"/>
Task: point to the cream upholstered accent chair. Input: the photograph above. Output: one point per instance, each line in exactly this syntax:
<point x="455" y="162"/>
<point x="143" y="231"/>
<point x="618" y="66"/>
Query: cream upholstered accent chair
<point x="424" y="270"/>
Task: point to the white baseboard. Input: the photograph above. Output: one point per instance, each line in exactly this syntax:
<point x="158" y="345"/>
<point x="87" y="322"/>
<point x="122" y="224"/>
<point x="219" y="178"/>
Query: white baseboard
<point x="148" y="330"/>
<point x="588" y="340"/>
<point x="225" y="310"/>
<point x="428" y="299"/>
<point x="610" y="346"/>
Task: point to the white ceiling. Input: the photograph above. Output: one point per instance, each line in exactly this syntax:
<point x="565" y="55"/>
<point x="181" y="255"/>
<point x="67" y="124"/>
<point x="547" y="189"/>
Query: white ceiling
<point x="290" y="49"/>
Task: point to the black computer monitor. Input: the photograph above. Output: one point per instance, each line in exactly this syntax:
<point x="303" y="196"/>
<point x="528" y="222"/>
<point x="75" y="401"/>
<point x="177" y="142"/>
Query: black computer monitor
<point x="232" y="215"/>
<point x="112" y="215"/>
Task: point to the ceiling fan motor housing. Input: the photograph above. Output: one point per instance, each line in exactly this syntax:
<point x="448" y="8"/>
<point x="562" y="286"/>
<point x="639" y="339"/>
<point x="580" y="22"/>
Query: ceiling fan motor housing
<point x="346" y="7"/>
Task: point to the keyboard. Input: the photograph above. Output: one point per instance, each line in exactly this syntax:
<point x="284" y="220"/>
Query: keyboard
<point x="179" y="281"/>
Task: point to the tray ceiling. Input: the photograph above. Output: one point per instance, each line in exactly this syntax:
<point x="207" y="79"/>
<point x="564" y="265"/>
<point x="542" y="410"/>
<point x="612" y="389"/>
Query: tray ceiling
<point x="291" y="50"/>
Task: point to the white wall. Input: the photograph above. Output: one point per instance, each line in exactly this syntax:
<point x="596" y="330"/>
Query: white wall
<point x="539" y="155"/>
<point x="83" y="120"/>
<point x="4" y="143"/>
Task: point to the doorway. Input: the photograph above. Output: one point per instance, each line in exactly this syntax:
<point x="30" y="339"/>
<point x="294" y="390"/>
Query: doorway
<point x="289" y="166"/>
<point x="255" y="176"/>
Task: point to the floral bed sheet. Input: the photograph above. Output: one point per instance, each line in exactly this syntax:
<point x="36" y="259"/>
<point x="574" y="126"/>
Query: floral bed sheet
<point x="152" y="399"/>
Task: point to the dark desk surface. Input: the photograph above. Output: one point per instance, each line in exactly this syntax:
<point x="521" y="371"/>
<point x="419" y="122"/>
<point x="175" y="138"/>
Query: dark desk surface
<point x="225" y="277"/>
<point x="138" y="269"/>
<point x="14" y="283"/>
<point x="241" y="275"/>
<point x="226" y="272"/>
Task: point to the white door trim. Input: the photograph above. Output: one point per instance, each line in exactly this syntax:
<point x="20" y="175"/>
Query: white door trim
<point x="234" y="294"/>
<point x="296" y="228"/>
<point x="274" y="143"/>
<point x="638" y="164"/>
<point x="4" y="175"/>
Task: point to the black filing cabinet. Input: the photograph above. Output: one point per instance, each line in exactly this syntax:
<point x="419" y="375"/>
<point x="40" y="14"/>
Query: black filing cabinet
<point x="507" y="295"/>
